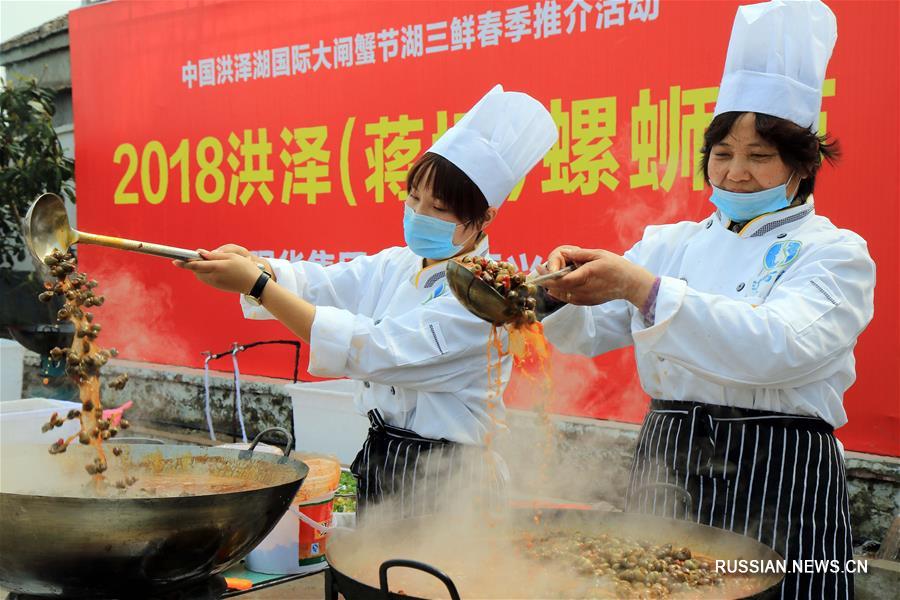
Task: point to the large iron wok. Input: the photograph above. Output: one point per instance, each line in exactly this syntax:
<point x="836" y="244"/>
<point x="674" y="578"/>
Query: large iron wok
<point x="57" y="540"/>
<point x="389" y="559"/>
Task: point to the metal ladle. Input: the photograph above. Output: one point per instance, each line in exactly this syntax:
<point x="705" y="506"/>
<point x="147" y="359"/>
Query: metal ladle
<point x="47" y="228"/>
<point x="482" y="300"/>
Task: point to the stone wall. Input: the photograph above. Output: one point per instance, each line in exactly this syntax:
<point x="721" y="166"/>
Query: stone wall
<point x="164" y="395"/>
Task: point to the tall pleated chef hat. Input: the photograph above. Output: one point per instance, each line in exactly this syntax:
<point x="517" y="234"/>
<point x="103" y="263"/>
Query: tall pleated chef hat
<point x="776" y="60"/>
<point x="498" y="141"/>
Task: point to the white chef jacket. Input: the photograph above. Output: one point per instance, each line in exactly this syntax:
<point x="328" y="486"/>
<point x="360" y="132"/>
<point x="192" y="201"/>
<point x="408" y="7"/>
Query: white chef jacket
<point x="764" y="319"/>
<point x="384" y="320"/>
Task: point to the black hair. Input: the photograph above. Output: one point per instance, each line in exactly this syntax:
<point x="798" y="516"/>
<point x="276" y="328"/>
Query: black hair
<point x="451" y="186"/>
<point x="799" y="147"/>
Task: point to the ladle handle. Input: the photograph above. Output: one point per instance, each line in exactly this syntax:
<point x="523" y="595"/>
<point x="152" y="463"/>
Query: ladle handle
<point x="551" y="276"/>
<point x="678" y="491"/>
<point x="136" y="246"/>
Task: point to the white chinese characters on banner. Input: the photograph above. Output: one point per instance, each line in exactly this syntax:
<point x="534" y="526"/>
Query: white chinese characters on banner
<point x="505" y="25"/>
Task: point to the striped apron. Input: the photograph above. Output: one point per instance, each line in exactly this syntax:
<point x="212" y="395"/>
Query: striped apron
<point x="408" y="475"/>
<point x="773" y="477"/>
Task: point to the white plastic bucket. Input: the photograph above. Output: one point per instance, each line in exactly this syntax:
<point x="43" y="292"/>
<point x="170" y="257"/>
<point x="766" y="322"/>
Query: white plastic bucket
<point x="297" y="543"/>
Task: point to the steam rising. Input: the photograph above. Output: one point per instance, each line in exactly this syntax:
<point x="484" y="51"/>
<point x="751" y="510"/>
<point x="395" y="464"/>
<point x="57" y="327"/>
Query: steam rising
<point x="140" y="317"/>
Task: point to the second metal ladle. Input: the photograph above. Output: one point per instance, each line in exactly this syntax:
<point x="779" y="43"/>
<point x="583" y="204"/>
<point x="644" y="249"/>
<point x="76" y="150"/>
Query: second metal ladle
<point x="47" y="228"/>
<point x="482" y="300"/>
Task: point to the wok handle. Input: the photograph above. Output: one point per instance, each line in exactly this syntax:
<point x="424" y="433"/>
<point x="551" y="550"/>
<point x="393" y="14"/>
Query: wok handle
<point x="287" y="447"/>
<point x="678" y="491"/>
<point x="413" y="564"/>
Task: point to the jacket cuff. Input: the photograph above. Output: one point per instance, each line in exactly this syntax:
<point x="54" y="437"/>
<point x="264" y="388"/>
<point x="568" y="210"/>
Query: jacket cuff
<point x="253" y="312"/>
<point x="329" y="341"/>
<point x="289" y="275"/>
<point x="669" y="300"/>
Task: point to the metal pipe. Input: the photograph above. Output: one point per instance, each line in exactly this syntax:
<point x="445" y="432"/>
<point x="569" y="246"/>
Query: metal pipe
<point x="237" y="389"/>
<point x="206" y="403"/>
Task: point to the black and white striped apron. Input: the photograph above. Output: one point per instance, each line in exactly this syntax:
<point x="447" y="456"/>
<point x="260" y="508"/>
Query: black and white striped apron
<point x="411" y="476"/>
<point x="777" y="478"/>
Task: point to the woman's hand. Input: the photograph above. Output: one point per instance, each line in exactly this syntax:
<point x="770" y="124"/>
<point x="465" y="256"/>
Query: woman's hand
<point x="226" y="270"/>
<point x="229" y="249"/>
<point x="602" y="276"/>
<point x="241" y="251"/>
<point x="235" y="249"/>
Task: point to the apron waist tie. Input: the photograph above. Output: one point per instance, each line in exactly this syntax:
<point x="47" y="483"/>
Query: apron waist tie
<point x="378" y="424"/>
<point x="702" y="418"/>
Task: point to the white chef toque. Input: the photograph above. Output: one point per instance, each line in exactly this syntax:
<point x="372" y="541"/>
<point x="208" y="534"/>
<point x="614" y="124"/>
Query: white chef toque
<point x="498" y="141"/>
<point x="776" y="60"/>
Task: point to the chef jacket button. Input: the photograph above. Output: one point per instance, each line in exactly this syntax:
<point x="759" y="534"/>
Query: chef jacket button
<point x="393" y="391"/>
<point x="740" y="286"/>
<point x="709" y="224"/>
<point x="781" y="235"/>
<point x="367" y="384"/>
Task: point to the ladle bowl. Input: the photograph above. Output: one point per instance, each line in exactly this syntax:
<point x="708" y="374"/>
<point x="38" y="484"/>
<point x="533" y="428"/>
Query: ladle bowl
<point x="482" y="300"/>
<point x="47" y="228"/>
<point x="478" y="297"/>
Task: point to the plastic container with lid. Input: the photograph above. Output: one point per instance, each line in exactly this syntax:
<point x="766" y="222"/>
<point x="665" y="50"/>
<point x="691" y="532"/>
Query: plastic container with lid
<point x="294" y="546"/>
<point x="21" y="420"/>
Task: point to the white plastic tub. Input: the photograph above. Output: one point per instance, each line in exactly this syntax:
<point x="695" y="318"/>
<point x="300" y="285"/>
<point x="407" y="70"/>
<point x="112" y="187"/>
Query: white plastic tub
<point x="298" y="542"/>
<point x="12" y="355"/>
<point x="326" y="420"/>
<point x="21" y="421"/>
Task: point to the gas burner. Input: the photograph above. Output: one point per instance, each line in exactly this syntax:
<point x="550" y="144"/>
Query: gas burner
<point x="212" y="588"/>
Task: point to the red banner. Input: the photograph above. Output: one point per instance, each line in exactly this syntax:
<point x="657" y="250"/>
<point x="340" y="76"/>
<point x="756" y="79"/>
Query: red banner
<point x="288" y="127"/>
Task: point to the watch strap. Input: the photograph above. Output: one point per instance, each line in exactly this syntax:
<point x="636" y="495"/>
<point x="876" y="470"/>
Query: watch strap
<point x="257" y="290"/>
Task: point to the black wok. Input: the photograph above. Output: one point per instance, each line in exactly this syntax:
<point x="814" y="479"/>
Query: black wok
<point x="365" y="564"/>
<point x="57" y="538"/>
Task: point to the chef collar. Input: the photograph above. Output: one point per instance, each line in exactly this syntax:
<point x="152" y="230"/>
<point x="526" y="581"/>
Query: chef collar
<point x="427" y="277"/>
<point x="771" y="223"/>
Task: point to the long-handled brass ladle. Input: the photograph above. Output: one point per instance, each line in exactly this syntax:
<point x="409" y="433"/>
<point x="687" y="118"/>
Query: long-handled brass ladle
<point x="47" y="228"/>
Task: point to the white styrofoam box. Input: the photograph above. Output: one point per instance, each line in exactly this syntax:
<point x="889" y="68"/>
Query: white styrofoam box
<point x="21" y="421"/>
<point x="326" y="420"/>
<point x="11" y="356"/>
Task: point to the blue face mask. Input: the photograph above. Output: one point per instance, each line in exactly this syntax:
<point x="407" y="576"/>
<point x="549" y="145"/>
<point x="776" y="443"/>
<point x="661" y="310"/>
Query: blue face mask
<point x="429" y="237"/>
<point x="743" y="206"/>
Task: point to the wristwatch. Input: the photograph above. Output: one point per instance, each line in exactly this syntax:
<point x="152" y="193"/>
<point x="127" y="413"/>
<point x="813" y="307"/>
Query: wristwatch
<point x="255" y="296"/>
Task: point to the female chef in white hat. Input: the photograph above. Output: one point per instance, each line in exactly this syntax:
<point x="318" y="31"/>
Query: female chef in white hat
<point x="743" y="324"/>
<point x="389" y="320"/>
